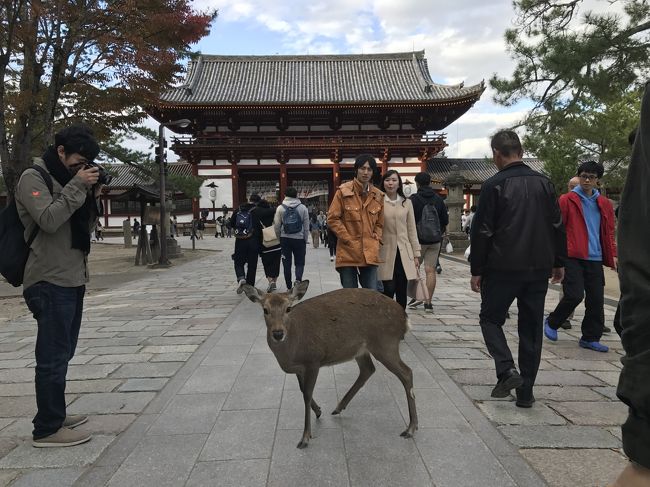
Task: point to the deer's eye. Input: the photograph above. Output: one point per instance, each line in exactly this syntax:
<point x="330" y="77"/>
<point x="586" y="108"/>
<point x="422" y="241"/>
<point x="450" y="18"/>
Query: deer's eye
<point x="288" y="308"/>
<point x="266" y="311"/>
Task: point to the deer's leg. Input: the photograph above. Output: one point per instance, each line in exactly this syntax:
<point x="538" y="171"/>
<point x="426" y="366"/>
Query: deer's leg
<point x="314" y="407"/>
<point x="308" y="383"/>
<point x="366" y="369"/>
<point x="389" y="356"/>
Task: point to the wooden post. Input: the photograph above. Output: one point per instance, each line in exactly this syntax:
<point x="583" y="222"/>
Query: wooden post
<point x="283" y="180"/>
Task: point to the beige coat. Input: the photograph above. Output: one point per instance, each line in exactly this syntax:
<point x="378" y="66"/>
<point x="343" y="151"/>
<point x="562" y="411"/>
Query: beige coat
<point x="399" y="232"/>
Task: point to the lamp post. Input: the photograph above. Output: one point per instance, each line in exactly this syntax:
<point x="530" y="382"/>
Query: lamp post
<point x="182" y="123"/>
<point x="213" y="197"/>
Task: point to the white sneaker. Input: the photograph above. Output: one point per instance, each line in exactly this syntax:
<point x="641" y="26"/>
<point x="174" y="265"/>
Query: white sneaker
<point x="331" y="259"/>
<point x="240" y="286"/>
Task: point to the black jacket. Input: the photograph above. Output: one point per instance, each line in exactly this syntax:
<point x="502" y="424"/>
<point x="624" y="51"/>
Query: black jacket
<point x="517" y="231"/>
<point x="424" y="196"/>
<point x="257" y="232"/>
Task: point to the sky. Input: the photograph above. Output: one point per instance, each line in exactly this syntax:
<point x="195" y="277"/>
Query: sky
<point x="462" y="40"/>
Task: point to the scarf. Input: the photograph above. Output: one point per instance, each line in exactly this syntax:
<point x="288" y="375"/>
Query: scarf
<point x="79" y="222"/>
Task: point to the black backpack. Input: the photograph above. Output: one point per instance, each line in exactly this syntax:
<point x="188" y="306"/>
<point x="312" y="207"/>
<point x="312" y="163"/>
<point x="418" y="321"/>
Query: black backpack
<point x="428" y="226"/>
<point x="14" y="251"/>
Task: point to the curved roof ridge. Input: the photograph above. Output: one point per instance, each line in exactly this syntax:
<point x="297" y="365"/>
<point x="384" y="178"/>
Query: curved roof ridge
<point x="312" y="57"/>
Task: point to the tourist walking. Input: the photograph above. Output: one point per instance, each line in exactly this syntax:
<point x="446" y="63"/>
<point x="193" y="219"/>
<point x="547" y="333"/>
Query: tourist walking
<point x="356" y="215"/>
<point x="247" y="242"/>
<point x="98" y="231"/>
<point x="431" y="217"/>
<point x="271" y="256"/>
<point x="331" y="242"/>
<point x="136" y="228"/>
<point x="589" y="221"/>
<point x="400" y="250"/>
<point x="518" y="242"/>
<point x="291" y="223"/>
<point x="633" y="237"/>
<point x="314" y="229"/>
<point x="65" y="205"/>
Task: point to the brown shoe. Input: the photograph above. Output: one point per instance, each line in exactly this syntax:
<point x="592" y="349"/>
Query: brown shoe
<point x="74" y="421"/>
<point x="63" y="437"/>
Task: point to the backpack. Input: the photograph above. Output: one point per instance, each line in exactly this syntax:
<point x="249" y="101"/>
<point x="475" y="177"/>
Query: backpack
<point x="243" y="223"/>
<point x="291" y="220"/>
<point x="14" y="251"/>
<point x="428" y="227"/>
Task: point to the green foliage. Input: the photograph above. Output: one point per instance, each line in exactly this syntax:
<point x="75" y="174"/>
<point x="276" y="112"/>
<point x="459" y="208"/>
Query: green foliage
<point x="582" y="71"/>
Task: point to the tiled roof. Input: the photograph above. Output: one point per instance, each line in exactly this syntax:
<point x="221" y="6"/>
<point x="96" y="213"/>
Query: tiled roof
<point x="475" y="171"/>
<point x="314" y="80"/>
<point x="126" y="176"/>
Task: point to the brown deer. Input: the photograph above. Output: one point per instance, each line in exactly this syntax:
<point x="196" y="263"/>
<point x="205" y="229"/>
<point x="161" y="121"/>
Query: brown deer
<point x="332" y="328"/>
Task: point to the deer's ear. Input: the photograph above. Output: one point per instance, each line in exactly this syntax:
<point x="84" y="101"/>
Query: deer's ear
<point x="254" y="294"/>
<point x="299" y="290"/>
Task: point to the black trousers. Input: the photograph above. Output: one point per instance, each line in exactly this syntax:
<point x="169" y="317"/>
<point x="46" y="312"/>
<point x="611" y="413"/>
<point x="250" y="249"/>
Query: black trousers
<point x="246" y="254"/>
<point x="271" y="257"/>
<point x="58" y="313"/>
<point x="496" y="297"/>
<point x="295" y="248"/>
<point x="583" y="279"/>
<point x="396" y="287"/>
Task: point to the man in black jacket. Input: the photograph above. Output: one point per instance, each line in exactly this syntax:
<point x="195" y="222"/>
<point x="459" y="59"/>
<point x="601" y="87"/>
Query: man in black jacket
<point x="247" y="243"/>
<point x="633" y="235"/>
<point x="430" y="250"/>
<point x="518" y="242"/>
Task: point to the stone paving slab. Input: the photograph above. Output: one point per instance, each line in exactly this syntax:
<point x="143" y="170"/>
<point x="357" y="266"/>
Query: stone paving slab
<point x="547" y="436"/>
<point x="215" y="358"/>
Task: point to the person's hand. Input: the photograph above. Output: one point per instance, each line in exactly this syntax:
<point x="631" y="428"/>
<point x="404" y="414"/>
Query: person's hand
<point x="557" y="276"/>
<point x="475" y="283"/>
<point x="417" y="262"/>
<point x="88" y="176"/>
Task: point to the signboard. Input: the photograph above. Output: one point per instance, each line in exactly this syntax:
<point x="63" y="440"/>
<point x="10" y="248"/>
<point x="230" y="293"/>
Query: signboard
<point x="151" y="215"/>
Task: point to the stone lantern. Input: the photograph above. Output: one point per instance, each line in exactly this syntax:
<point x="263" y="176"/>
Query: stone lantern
<point x="455" y="201"/>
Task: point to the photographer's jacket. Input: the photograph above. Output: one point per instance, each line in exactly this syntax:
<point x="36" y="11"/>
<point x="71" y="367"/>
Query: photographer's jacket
<point x="517" y="231"/>
<point x="52" y="258"/>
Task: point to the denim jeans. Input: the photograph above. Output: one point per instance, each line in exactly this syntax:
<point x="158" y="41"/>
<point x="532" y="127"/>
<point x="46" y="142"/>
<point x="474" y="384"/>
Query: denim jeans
<point x="353" y="276"/>
<point x="245" y="257"/>
<point x="58" y="314"/>
<point x="296" y="248"/>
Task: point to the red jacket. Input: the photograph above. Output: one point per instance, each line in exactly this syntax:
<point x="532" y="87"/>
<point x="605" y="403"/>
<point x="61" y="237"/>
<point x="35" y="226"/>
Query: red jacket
<point x="576" y="229"/>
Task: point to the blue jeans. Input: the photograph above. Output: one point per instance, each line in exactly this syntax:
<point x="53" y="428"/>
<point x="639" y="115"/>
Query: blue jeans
<point x="353" y="276"/>
<point x="58" y="314"/>
<point x="296" y="248"/>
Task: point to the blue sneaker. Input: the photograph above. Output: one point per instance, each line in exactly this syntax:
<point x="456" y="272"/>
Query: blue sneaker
<point x="549" y="332"/>
<point x="596" y="346"/>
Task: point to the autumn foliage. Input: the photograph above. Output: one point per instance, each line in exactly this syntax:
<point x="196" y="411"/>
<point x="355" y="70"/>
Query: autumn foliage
<point x="96" y="61"/>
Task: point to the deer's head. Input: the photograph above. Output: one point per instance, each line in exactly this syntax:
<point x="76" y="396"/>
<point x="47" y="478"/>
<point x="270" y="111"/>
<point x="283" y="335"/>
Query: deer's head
<point x="277" y="307"/>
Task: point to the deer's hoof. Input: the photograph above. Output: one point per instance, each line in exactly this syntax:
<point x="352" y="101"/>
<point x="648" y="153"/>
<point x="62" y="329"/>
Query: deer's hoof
<point x="336" y="411"/>
<point x="318" y="412"/>
<point x="406" y="434"/>
<point x="303" y="444"/>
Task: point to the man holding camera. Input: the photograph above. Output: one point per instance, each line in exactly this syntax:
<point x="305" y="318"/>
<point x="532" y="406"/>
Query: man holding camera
<point x="57" y="270"/>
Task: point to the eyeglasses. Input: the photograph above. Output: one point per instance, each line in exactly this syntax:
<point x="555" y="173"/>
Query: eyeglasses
<point x="588" y="177"/>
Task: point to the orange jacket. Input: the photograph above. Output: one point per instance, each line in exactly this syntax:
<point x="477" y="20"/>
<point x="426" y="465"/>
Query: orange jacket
<point x="358" y="225"/>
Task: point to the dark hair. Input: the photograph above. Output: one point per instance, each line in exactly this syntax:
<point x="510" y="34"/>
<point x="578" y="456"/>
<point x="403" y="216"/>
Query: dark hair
<point x="473" y="208"/>
<point x="591" y="167"/>
<point x="632" y="137"/>
<point x="400" y="188"/>
<point x="291" y="192"/>
<point x="77" y="139"/>
<point x="423" y="179"/>
<point x="362" y="159"/>
<point x="507" y="143"/>
<point x="255" y="198"/>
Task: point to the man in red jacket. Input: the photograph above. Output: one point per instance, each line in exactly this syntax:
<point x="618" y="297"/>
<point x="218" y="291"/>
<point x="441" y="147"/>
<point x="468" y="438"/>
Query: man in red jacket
<point x="589" y="220"/>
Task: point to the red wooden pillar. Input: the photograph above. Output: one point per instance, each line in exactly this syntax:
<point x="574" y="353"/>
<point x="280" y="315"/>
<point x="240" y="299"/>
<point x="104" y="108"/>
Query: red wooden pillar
<point x="235" y="186"/>
<point x="283" y="180"/>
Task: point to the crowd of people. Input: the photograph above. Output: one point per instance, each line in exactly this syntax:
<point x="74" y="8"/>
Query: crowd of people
<point x="521" y="236"/>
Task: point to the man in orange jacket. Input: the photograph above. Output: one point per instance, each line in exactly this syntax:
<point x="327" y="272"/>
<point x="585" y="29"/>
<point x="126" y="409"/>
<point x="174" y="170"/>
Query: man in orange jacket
<point x="356" y="216"/>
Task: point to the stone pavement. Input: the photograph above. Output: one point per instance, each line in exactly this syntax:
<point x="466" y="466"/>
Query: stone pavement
<point x="182" y="390"/>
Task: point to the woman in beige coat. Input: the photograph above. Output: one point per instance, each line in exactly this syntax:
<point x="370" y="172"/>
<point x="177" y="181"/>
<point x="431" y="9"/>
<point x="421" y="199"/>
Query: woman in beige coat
<point x="400" y="251"/>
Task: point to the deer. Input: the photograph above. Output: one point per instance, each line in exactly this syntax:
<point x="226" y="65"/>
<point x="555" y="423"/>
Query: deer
<point x="333" y="328"/>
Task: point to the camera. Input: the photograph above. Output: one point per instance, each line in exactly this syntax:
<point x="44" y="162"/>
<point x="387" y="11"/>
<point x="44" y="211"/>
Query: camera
<point x="104" y="177"/>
